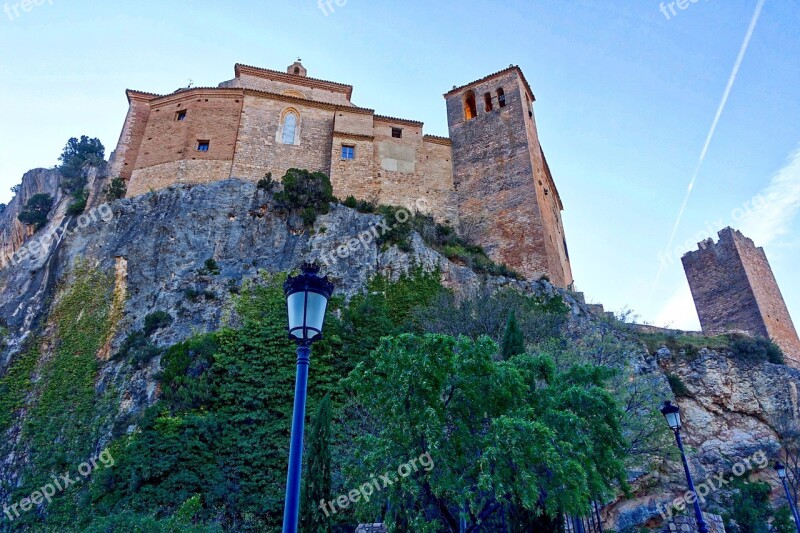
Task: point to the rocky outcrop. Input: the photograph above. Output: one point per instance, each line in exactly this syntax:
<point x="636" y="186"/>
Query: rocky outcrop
<point x="38" y="181"/>
<point x="157" y="246"/>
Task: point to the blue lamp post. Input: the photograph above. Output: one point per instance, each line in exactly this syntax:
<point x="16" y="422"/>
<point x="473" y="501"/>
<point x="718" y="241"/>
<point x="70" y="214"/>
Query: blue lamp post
<point x="673" y="415"/>
<point x="781" y="470"/>
<point x="307" y="297"/>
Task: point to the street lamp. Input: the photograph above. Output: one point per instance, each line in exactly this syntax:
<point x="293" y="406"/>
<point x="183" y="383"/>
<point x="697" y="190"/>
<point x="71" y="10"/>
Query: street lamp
<point x="781" y="470"/>
<point x="307" y="297"/>
<point x="673" y="415"/>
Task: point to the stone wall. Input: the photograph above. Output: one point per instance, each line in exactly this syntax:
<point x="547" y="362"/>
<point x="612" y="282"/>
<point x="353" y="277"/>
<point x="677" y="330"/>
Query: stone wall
<point x="259" y="148"/>
<point x="688" y="524"/>
<point x="497" y="164"/>
<point x="734" y="289"/>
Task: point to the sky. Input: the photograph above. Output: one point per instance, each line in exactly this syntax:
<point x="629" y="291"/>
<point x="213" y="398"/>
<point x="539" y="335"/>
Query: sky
<point x="660" y="126"/>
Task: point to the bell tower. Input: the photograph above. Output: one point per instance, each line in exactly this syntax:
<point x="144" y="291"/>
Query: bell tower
<point x="503" y="184"/>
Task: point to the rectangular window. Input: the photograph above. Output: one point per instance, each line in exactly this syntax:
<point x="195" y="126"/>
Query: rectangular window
<point x="397" y="133"/>
<point x="202" y="146"/>
<point x="348" y="152"/>
<point x="181" y="115"/>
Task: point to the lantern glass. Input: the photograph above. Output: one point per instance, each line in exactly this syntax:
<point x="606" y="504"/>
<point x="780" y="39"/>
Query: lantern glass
<point x="296" y="307"/>
<point x="781" y="470"/>
<point x="674" y="420"/>
<point x="315" y="312"/>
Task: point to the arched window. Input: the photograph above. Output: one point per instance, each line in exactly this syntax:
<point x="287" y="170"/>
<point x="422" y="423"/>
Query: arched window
<point x="470" y="107"/>
<point x="487" y="101"/>
<point x="501" y="97"/>
<point x="289" y="128"/>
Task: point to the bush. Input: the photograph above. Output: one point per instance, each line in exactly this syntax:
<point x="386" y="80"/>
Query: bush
<point x="309" y="192"/>
<point x="678" y="386"/>
<point x="79" y="205"/>
<point x="756" y="349"/>
<point x="155" y="321"/>
<point x="350" y="202"/>
<point x="211" y="267"/>
<point x="36" y="210"/>
<point x="116" y="189"/>
<point x="266" y="183"/>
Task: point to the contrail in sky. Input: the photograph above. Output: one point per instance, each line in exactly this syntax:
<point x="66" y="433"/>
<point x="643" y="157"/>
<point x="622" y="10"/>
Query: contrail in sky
<point x="710" y="135"/>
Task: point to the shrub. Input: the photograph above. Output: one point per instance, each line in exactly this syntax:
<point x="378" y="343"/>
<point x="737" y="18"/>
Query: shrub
<point x="36" y="210"/>
<point x="115" y="190"/>
<point x="79" y="205"/>
<point x="756" y="349"/>
<point x="678" y="387"/>
<point x="310" y="192"/>
<point x="155" y="321"/>
<point x="266" y="183"/>
<point x="350" y="201"/>
<point x="211" y="267"/>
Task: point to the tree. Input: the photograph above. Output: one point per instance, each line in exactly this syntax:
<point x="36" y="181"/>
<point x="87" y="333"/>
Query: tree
<point x="79" y="153"/>
<point x="513" y="341"/>
<point x="317" y="481"/>
<point x="36" y="210"/>
<point x="507" y="438"/>
<point x="751" y="508"/>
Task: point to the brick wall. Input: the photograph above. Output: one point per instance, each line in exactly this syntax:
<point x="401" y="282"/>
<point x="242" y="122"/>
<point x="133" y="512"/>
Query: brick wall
<point x="123" y="160"/>
<point x="734" y="289"/>
<point x="211" y="115"/>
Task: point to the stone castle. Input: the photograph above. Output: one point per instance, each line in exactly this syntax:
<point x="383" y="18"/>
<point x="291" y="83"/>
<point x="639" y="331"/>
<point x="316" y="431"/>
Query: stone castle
<point x="489" y="179"/>
<point x="734" y="289"/>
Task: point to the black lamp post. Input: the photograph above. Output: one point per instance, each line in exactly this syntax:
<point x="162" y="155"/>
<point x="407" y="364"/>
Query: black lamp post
<point x="306" y="300"/>
<point x="781" y="470"/>
<point x="673" y="415"/>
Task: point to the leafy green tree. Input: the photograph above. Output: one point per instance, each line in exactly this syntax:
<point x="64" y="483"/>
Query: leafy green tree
<point x="76" y="156"/>
<point x="750" y="506"/>
<point x="504" y="436"/>
<point x="783" y="522"/>
<point x="513" y="340"/>
<point x="36" y="210"/>
<point x="317" y="479"/>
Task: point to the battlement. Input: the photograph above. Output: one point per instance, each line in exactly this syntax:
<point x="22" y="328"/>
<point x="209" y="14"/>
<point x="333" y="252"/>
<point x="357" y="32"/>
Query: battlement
<point x="734" y="289"/>
<point x="267" y="120"/>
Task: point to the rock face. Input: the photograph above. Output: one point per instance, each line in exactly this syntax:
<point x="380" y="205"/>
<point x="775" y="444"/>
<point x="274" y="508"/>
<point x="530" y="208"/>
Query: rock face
<point x="13" y="232"/>
<point x="157" y="245"/>
<point x="733" y="417"/>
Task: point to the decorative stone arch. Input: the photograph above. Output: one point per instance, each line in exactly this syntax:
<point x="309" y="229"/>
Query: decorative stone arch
<point x="289" y="127"/>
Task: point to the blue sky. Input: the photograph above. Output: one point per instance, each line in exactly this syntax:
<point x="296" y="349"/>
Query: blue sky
<point x="625" y="100"/>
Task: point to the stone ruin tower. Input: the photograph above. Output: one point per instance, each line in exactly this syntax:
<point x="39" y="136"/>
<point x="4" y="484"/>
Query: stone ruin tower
<point x="734" y="289"/>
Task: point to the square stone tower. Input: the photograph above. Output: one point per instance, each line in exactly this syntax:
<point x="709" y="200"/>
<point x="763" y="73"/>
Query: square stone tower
<point x="734" y="289"/>
<point x="507" y="199"/>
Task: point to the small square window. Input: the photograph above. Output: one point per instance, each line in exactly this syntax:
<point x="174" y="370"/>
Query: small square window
<point x="348" y="152"/>
<point x="397" y="133"/>
<point x="181" y="115"/>
<point x="202" y="146"/>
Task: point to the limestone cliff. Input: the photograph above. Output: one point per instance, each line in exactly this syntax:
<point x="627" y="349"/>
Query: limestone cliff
<point x="154" y="249"/>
